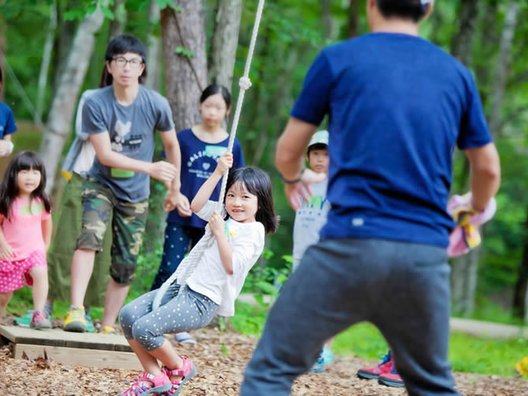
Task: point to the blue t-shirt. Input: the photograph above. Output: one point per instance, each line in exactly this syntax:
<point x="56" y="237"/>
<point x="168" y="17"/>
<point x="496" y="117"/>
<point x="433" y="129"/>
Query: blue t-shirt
<point x="7" y="120"/>
<point x="397" y="107"/>
<point x="131" y="129"/>
<point x="198" y="161"/>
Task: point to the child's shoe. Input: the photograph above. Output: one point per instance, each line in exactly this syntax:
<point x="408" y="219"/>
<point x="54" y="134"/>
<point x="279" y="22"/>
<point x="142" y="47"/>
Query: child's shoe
<point x="179" y="377"/>
<point x="75" y="320"/>
<point x="90" y="328"/>
<point x="148" y="384"/>
<point x="107" y="330"/>
<point x="391" y="379"/>
<point x="184" y="338"/>
<point x="25" y="320"/>
<point x="328" y="356"/>
<point x="319" y="365"/>
<point x="39" y="321"/>
<point x="384" y="367"/>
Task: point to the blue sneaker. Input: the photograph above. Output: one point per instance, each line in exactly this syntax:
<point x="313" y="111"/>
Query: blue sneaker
<point x="328" y="356"/>
<point x="90" y="328"/>
<point x="319" y="365"/>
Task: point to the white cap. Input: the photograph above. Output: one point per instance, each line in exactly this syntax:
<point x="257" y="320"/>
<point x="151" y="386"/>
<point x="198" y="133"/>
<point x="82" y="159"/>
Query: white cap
<point x="319" y="137"/>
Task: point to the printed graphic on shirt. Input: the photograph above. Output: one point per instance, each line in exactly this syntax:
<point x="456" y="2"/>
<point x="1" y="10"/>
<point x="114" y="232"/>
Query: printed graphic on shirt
<point x="123" y="140"/>
<point x="312" y="210"/>
<point x="202" y="163"/>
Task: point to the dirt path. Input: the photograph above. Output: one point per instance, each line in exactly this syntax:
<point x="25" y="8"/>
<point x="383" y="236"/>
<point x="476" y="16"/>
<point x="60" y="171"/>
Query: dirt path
<point x="220" y="358"/>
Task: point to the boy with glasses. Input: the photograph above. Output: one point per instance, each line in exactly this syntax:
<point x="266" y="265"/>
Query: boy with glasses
<point x="121" y="119"/>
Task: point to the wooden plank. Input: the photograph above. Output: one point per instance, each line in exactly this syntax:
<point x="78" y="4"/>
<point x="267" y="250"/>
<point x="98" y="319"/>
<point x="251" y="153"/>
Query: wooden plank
<point x="60" y="338"/>
<point x="80" y="357"/>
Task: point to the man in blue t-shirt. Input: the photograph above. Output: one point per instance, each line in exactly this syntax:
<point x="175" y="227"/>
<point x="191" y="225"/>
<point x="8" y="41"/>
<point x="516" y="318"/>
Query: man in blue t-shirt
<point x="397" y="108"/>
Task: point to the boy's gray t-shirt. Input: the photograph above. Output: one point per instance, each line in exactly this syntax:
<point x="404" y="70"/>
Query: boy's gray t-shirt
<point x="309" y="219"/>
<point x="131" y="129"/>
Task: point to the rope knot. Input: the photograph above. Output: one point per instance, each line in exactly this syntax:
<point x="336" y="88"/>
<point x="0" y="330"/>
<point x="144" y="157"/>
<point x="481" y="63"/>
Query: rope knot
<point x="244" y="83"/>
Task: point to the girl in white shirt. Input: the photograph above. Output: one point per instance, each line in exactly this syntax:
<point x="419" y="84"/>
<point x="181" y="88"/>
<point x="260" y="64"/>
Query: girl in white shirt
<point x="214" y="284"/>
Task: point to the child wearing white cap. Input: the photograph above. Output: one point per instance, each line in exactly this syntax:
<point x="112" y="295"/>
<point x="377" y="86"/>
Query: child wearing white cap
<point x="311" y="216"/>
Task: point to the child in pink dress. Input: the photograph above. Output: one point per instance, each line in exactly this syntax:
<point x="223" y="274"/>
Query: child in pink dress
<point x="25" y="233"/>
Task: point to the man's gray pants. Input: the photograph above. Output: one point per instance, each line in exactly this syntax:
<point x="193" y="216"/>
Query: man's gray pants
<point x="402" y="288"/>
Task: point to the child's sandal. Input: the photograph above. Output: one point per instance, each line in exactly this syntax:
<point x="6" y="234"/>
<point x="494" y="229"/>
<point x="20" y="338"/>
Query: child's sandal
<point x="183" y="375"/>
<point x="147" y="384"/>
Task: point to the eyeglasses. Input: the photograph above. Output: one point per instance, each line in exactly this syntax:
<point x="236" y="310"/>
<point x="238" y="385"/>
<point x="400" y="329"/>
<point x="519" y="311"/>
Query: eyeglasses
<point x="122" y="62"/>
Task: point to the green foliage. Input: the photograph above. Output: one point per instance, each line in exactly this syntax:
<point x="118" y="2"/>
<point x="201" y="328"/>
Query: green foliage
<point x="249" y="319"/>
<point x="162" y="4"/>
<point x="187" y="53"/>
<point x="267" y="277"/>
<point x="484" y="356"/>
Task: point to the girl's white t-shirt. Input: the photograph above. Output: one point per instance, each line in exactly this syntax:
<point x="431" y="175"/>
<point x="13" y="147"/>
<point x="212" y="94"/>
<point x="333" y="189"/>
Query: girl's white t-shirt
<point x="209" y="277"/>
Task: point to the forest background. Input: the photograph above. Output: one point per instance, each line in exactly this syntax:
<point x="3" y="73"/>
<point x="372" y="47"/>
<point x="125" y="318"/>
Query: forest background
<point x="52" y="50"/>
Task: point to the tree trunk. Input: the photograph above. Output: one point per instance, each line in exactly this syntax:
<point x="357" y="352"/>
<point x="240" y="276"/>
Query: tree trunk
<point x="488" y="37"/>
<point x="156" y="215"/>
<point x="225" y="42"/>
<point x="463" y="40"/>
<point x="62" y="108"/>
<point x="353" y="18"/>
<point x="154" y="48"/>
<point x="117" y="25"/>
<point x="520" y="295"/>
<point x="326" y="18"/>
<point x="63" y="42"/>
<point x="183" y="38"/>
<point x="44" y="66"/>
<point x="503" y="65"/>
<point x="464" y="270"/>
<point x="464" y="283"/>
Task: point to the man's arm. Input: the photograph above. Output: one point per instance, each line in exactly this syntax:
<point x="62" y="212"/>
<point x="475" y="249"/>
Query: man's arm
<point x="485" y="174"/>
<point x="289" y="160"/>
<point x="174" y="199"/>
<point x="161" y="170"/>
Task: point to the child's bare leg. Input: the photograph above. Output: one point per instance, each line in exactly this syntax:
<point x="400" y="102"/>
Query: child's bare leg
<point x="40" y="287"/>
<point x="149" y="359"/>
<point x="81" y="271"/>
<point x="4" y="300"/>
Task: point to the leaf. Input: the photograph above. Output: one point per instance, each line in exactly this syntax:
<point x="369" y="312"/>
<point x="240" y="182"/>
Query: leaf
<point x="162" y="4"/>
<point x="184" y="52"/>
<point x="108" y="14"/>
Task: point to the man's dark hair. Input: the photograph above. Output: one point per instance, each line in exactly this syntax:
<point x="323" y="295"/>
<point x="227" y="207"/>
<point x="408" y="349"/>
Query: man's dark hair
<point x="406" y="9"/>
<point x="120" y="45"/>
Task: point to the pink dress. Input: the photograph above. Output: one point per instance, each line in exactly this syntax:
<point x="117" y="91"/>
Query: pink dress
<point x="23" y="233"/>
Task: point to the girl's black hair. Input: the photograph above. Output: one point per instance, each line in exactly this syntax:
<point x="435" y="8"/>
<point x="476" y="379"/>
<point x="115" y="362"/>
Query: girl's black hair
<point x="258" y="183"/>
<point x="120" y="45"/>
<point x="214" y="89"/>
<point x="24" y="160"/>
<point x="406" y="9"/>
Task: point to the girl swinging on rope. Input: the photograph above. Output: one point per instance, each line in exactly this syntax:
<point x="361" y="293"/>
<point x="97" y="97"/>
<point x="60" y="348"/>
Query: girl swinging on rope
<point x="238" y="241"/>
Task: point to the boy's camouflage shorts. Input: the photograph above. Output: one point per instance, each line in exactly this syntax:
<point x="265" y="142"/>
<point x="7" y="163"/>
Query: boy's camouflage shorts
<point x="128" y="219"/>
